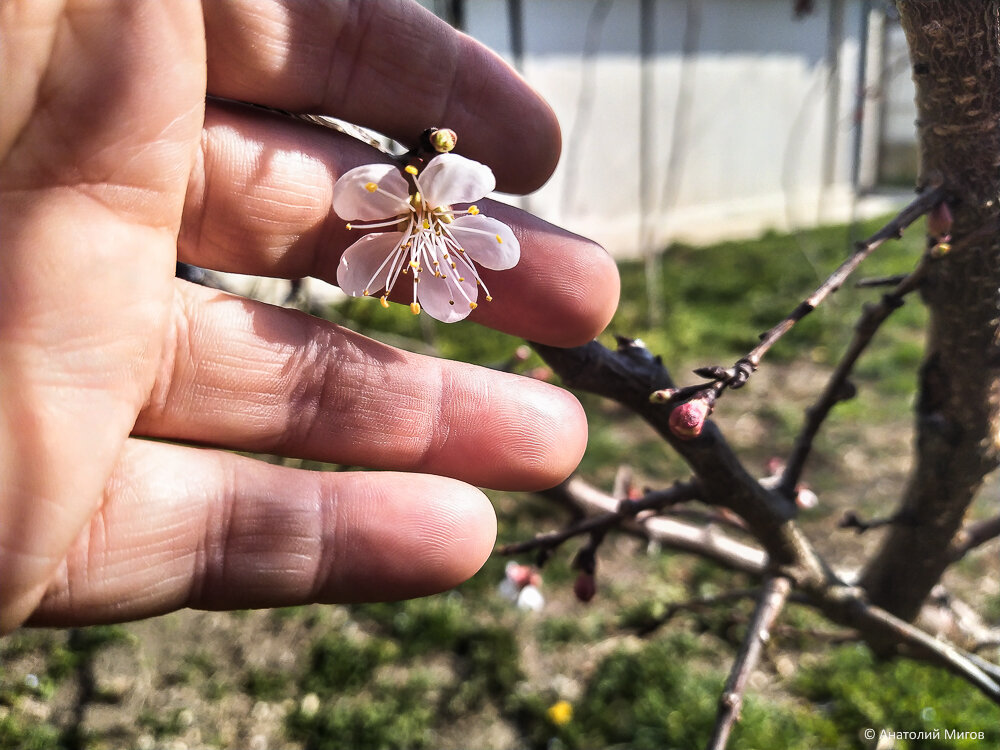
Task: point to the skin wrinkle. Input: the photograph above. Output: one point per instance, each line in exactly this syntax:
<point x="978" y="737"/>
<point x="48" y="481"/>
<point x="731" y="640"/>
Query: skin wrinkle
<point x="337" y="84"/>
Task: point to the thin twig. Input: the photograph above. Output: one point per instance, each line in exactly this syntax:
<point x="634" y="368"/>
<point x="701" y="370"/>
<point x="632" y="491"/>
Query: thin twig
<point x="709" y="543"/>
<point x="852" y="520"/>
<point x="772" y="600"/>
<point x="880" y="281"/>
<point x="864" y="331"/>
<point x="738" y="375"/>
<point x="627" y="509"/>
<point x="919" y="206"/>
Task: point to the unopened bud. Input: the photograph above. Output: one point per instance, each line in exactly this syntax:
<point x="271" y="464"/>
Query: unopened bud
<point x="939" y="222"/>
<point x="688" y="419"/>
<point x="585" y="586"/>
<point x="662" y="396"/>
<point x="444" y="140"/>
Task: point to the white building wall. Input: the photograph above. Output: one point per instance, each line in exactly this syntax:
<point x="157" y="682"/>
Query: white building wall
<point x="757" y="146"/>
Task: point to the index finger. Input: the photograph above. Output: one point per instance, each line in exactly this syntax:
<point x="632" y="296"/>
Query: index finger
<point x="386" y="64"/>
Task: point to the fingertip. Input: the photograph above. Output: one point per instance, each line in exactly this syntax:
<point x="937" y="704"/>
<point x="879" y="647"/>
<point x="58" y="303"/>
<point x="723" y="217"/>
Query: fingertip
<point x="563" y="292"/>
<point x="522" y="140"/>
<point x="548" y="432"/>
<point x="417" y="535"/>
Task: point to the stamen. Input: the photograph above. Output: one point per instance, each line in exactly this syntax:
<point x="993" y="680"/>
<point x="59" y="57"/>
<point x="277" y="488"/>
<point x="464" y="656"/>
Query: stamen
<point x="472" y="210"/>
<point x="499" y="240"/>
<point x="473" y="305"/>
<point x="383" y="301"/>
<point x="410" y="169"/>
<point x="415" y="308"/>
<point x="371" y="187"/>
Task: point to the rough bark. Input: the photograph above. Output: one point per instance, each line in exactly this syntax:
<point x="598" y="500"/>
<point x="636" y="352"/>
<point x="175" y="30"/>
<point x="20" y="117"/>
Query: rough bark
<point x="955" y="54"/>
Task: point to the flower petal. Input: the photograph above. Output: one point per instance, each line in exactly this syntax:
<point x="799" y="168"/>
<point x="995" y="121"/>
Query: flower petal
<point x="450" y="178"/>
<point x="353" y="201"/>
<point x="361" y="261"/>
<point x="478" y="236"/>
<point x="436" y="295"/>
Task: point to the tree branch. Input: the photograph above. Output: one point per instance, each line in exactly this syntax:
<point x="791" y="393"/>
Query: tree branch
<point x="838" y="385"/>
<point x="625" y="510"/>
<point x="628" y="375"/>
<point x="847" y="606"/>
<point x="738" y="375"/>
<point x="974" y="535"/>
<point x="772" y="600"/>
<point x="709" y="543"/>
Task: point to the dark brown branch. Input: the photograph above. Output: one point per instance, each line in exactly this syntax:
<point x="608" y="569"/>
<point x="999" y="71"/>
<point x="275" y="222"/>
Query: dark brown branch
<point x="628" y="375"/>
<point x="852" y="520"/>
<point x="974" y="535"/>
<point x="772" y="600"/>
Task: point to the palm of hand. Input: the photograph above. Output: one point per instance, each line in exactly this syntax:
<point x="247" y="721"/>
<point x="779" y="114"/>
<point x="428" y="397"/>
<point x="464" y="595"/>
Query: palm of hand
<point x="110" y="169"/>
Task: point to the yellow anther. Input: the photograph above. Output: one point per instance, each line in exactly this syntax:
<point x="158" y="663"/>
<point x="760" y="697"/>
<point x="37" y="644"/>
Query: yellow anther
<point x="371" y="187"/>
<point x="415" y="308"/>
<point x="473" y="210"/>
<point x="427" y="224"/>
<point x="499" y="240"/>
<point x="489" y="298"/>
<point x="413" y="264"/>
<point x="473" y="305"/>
<point x="384" y="301"/>
<point x="461" y="278"/>
<point x="349" y="225"/>
<point x="365" y="293"/>
<point x="410" y="169"/>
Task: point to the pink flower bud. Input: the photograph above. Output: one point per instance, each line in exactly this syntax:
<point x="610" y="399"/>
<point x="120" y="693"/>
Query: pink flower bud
<point x="519" y="575"/>
<point x="688" y="419"/>
<point x="939" y="222"/>
<point x="805" y="498"/>
<point x="585" y="586"/>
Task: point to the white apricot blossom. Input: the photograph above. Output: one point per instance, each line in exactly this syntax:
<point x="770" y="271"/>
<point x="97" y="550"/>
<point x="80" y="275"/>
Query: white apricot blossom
<point x="425" y="236"/>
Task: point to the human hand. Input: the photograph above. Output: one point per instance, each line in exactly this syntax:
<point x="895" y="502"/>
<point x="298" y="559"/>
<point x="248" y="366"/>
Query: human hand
<point x="112" y="167"/>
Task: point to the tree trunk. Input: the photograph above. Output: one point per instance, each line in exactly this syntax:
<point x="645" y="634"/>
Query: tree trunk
<point x="955" y="54"/>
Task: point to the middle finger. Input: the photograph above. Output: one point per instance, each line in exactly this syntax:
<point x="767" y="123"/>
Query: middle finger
<point x="249" y="376"/>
